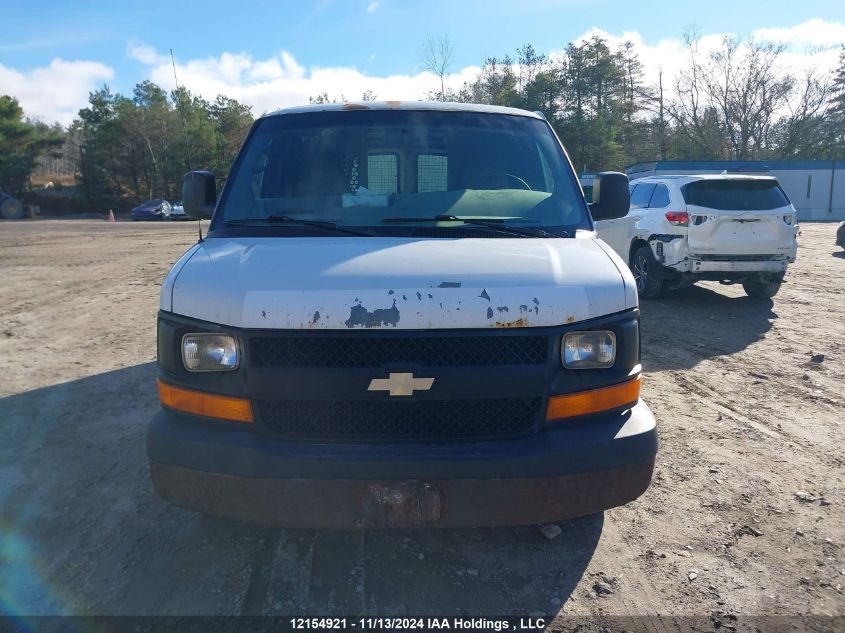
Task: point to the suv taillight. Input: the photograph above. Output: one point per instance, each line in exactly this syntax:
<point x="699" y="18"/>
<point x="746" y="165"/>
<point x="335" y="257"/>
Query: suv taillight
<point x="678" y="218"/>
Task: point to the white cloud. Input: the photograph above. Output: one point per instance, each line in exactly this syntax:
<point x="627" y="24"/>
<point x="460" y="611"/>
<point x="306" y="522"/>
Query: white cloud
<point x="811" y="34"/>
<point x="144" y="53"/>
<point x="55" y="92"/>
<point x="281" y="81"/>
<point x="373" y="6"/>
<point x="809" y="45"/>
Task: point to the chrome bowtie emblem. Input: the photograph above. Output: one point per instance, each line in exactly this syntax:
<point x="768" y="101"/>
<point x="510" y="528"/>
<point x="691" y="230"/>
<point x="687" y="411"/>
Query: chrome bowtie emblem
<point x="400" y="384"/>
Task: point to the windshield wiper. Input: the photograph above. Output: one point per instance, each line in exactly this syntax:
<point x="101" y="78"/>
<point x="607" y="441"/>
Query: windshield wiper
<point x="286" y="219"/>
<point x="496" y="225"/>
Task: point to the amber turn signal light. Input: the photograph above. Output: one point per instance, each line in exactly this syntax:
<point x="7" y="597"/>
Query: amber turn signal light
<point x="594" y="401"/>
<point x="205" y="404"/>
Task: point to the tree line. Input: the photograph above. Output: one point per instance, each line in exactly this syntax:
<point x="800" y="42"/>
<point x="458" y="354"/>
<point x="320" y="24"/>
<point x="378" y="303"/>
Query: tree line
<point x="140" y="147"/>
<point x="737" y="101"/>
<point x="126" y="149"/>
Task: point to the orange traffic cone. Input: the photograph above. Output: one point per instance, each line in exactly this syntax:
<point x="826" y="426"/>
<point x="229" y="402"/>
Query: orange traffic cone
<point x="111" y="216"/>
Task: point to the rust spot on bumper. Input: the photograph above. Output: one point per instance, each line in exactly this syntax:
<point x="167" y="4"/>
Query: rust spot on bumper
<point x="401" y="505"/>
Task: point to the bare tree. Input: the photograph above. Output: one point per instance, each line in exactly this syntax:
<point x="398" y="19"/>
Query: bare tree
<point x="729" y="101"/>
<point x="691" y="111"/>
<point x="804" y="132"/>
<point x="437" y="56"/>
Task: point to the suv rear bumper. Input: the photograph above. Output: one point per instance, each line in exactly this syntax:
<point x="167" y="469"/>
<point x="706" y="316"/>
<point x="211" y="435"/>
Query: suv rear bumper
<point x="573" y="469"/>
<point x="672" y="253"/>
<point x="776" y="266"/>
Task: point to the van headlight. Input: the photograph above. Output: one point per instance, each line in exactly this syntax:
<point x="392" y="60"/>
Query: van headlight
<point x="205" y="351"/>
<point x="588" y="350"/>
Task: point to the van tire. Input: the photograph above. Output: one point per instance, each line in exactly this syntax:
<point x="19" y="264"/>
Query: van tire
<point x="761" y="288"/>
<point x="645" y="268"/>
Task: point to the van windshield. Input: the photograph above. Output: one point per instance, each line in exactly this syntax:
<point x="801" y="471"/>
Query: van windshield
<point x="735" y="195"/>
<point x="395" y="171"/>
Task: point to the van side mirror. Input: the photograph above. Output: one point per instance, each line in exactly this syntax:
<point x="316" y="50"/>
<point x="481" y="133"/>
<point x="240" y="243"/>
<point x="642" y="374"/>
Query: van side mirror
<point x="611" y="197"/>
<point x="199" y="194"/>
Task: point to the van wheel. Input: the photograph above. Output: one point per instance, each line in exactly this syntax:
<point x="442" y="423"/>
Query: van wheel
<point x="761" y="287"/>
<point x="645" y="269"/>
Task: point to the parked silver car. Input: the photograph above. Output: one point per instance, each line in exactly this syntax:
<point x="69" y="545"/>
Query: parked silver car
<point x="177" y="212"/>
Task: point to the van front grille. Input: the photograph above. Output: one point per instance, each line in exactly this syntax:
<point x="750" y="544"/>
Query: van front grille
<point x="378" y="351"/>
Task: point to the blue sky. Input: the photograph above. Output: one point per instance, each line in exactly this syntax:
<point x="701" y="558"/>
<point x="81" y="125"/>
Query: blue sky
<point x="376" y="38"/>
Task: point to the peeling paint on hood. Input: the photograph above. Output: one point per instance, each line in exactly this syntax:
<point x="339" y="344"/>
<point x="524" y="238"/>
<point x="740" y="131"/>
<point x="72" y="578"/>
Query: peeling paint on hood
<point x="399" y="283"/>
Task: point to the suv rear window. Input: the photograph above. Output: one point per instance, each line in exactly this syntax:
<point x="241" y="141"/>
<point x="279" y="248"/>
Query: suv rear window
<point x="740" y="195"/>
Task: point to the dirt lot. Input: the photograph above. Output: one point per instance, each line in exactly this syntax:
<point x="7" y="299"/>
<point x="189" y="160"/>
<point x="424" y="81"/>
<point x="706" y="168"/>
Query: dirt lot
<point x="747" y="420"/>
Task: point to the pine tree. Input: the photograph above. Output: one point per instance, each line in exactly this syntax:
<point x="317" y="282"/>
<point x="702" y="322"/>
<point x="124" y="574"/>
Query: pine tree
<point x="21" y="144"/>
<point x="836" y="110"/>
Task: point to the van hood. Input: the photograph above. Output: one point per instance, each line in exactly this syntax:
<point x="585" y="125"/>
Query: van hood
<point x="403" y="283"/>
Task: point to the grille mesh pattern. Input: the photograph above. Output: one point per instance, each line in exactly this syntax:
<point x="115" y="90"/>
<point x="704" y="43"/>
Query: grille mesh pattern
<point x="398" y="420"/>
<point x="464" y="351"/>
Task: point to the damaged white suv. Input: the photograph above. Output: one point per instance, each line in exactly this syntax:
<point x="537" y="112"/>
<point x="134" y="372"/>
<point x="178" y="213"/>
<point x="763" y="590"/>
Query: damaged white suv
<point x="726" y="228"/>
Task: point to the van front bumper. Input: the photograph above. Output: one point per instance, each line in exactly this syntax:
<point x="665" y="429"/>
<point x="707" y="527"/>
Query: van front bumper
<point x="569" y="469"/>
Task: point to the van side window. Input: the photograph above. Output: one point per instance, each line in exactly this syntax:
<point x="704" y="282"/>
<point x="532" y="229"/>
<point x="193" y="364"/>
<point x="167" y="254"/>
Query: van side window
<point x="660" y="197"/>
<point x="383" y="173"/>
<point x="432" y="171"/>
<point x="641" y="195"/>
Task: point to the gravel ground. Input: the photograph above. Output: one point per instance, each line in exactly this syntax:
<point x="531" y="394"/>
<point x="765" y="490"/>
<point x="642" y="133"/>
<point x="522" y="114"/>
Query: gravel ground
<point x="745" y="516"/>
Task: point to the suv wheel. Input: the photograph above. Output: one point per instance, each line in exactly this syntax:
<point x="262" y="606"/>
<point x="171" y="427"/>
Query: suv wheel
<point x="761" y="287"/>
<point x="646" y="273"/>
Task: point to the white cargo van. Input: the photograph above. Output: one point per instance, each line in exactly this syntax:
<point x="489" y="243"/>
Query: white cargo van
<point x="401" y="316"/>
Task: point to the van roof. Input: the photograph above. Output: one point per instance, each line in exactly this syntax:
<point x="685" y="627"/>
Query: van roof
<point x="406" y="105"/>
